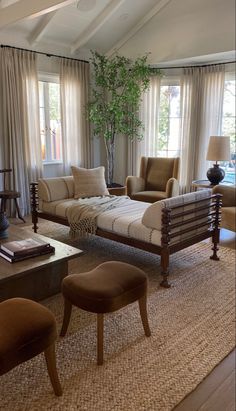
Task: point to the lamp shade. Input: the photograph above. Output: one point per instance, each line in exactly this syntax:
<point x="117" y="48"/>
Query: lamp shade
<point x="218" y="148"/>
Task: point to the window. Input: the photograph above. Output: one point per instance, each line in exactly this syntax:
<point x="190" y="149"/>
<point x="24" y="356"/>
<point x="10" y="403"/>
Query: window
<point x="168" y="144"/>
<point x="50" y="121"/>
<point x="228" y="125"/>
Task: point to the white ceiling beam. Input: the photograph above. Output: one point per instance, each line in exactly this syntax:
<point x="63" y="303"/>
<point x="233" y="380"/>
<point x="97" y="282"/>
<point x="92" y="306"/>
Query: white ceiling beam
<point x="27" y="8"/>
<point x="5" y="3"/>
<point x="96" y="24"/>
<point x="40" y="28"/>
<point x="161" y="4"/>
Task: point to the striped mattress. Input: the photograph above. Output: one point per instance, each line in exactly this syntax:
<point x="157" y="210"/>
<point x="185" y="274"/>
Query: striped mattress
<point x="124" y="220"/>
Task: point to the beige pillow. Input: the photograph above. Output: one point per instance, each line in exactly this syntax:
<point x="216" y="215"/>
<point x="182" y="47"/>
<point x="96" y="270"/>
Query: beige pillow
<point x="89" y="182"/>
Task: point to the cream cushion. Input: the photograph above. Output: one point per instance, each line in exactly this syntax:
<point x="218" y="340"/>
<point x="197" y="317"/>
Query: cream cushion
<point x="89" y="182"/>
<point x="152" y="217"/>
<point x="56" y="188"/>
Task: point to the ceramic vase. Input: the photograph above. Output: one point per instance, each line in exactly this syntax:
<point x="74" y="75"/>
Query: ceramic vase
<point x="4" y="224"/>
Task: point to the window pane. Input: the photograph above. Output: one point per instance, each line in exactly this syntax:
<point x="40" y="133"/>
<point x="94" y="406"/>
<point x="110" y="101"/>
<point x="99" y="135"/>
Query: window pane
<point x="228" y="128"/>
<point x="41" y="96"/>
<point x="55" y="121"/>
<point x="169" y="121"/>
<point x="50" y="122"/>
<point x="42" y="120"/>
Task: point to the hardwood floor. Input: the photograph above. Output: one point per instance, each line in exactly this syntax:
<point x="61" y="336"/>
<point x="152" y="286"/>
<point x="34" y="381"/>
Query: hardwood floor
<point x="217" y="391"/>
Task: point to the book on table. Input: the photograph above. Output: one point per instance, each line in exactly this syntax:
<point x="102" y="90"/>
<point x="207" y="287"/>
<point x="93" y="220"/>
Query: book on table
<point x="18" y="250"/>
<point x="36" y="253"/>
<point x="19" y="247"/>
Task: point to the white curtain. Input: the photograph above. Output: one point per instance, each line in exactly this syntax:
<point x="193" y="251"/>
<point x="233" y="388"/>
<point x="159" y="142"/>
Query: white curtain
<point x="149" y="112"/>
<point x="19" y="121"/>
<point x="74" y="84"/>
<point x="202" y="91"/>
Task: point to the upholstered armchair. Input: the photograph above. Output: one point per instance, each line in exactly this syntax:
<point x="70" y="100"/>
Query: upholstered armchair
<point x="157" y="180"/>
<point x="228" y="210"/>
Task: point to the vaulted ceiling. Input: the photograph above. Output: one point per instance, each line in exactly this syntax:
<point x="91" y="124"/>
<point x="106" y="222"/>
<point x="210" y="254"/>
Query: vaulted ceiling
<point x="170" y="30"/>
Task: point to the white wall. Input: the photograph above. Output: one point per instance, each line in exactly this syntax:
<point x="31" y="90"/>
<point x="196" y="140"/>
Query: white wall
<point x="184" y="29"/>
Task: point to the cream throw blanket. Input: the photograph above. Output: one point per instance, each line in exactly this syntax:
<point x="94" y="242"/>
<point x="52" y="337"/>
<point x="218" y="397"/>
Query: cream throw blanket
<point x="82" y="216"/>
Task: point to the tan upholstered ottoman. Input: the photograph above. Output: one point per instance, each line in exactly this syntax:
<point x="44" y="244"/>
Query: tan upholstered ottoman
<point x="107" y="288"/>
<point x="27" y="329"/>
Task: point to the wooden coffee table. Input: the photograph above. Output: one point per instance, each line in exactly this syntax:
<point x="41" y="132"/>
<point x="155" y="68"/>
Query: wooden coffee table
<point x="37" y="277"/>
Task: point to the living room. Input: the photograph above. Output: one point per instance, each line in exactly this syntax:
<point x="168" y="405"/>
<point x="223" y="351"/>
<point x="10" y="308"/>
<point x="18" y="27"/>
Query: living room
<point x="47" y="81"/>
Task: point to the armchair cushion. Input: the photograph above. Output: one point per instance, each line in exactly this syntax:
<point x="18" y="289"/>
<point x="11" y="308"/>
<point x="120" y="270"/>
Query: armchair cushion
<point x="229" y="195"/>
<point x="134" y="184"/>
<point x="159" y="170"/>
<point x="172" y="188"/>
<point x="157" y="180"/>
<point x="149" y="196"/>
<point x="228" y="218"/>
<point x="228" y="210"/>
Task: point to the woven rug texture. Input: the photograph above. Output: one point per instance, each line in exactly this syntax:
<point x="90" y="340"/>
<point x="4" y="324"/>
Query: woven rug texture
<point x="192" y="325"/>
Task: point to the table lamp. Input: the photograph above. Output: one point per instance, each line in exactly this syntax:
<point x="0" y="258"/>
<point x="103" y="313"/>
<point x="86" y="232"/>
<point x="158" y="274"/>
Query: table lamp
<point x="218" y="150"/>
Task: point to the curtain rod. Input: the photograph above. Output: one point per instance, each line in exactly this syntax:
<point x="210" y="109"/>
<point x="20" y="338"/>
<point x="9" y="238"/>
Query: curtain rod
<point x="45" y="54"/>
<point x="201" y="65"/>
<point x="85" y="61"/>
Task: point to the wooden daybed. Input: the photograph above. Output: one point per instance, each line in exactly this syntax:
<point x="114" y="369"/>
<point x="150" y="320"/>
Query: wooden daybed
<point x="181" y="225"/>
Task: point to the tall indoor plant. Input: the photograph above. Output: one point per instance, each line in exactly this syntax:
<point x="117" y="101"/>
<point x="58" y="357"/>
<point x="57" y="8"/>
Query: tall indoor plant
<point x="117" y="87"/>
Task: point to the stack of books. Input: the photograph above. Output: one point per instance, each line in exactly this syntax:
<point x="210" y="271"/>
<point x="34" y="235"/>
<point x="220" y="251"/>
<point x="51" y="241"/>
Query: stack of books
<point x="14" y="251"/>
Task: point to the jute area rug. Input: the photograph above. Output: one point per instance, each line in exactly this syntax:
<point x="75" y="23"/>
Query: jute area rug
<point x="192" y="327"/>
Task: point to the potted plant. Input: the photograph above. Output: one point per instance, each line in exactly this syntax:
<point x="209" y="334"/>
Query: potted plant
<point x="117" y="88"/>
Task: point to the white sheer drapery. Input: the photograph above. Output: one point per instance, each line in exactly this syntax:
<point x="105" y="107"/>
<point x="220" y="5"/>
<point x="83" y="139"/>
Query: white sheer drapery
<point x="202" y="91"/>
<point x="149" y="114"/>
<point x="74" y="90"/>
<point x="19" y="121"/>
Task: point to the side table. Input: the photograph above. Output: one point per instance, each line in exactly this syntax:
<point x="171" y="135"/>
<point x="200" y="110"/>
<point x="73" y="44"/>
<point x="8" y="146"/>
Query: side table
<point x="117" y="191"/>
<point x="201" y="184"/>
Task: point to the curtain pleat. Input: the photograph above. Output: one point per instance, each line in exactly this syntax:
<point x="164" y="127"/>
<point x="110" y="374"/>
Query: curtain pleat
<point x="149" y="114"/>
<point x="74" y="90"/>
<point x="202" y="92"/>
<point x="19" y="121"/>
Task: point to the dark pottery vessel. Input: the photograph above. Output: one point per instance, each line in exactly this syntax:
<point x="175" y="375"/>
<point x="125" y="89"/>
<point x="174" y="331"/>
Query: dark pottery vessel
<point x="4" y="224"/>
<point x="215" y="174"/>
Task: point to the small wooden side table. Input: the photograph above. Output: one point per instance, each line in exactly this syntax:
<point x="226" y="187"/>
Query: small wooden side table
<point x="9" y="194"/>
<point x="200" y="184"/>
<point x="117" y="191"/>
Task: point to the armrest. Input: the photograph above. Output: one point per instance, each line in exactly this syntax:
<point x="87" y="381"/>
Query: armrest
<point x="172" y="187"/>
<point x="134" y="185"/>
<point x="229" y="195"/>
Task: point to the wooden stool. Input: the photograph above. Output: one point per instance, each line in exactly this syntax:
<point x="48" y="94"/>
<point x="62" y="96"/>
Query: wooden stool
<point x="27" y="329"/>
<point x="9" y="195"/>
<point x="107" y="288"/>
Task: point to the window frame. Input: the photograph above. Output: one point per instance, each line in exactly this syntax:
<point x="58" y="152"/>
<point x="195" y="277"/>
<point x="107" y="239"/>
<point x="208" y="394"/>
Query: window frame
<point x="47" y="78"/>
<point x="169" y="81"/>
<point x="229" y="76"/>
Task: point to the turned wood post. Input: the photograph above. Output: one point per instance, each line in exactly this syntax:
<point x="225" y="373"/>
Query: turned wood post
<point x="216" y="230"/>
<point x="165" y="241"/>
<point x="34" y="201"/>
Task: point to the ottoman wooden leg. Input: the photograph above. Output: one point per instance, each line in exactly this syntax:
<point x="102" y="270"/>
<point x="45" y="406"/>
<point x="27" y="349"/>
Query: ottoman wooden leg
<point x="100" y="324"/>
<point x="66" y="319"/>
<point x="143" y="312"/>
<point x="52" y="369"/>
